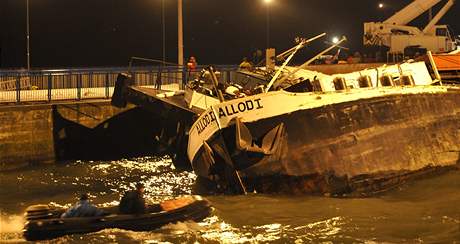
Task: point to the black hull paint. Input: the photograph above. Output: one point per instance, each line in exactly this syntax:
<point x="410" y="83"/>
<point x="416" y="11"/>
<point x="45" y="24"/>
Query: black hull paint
<point x="109" y="140"/>
<point x="361" y="146"/>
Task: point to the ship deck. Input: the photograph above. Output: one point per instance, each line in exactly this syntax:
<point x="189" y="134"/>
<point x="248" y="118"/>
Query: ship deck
<point x="174" y="98"/>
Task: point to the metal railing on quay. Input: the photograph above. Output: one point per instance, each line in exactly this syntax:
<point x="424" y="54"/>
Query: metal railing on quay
<point x="91" y="83"/>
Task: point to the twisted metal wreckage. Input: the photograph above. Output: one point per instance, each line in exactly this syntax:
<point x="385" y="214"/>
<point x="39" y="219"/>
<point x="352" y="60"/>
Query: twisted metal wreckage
<point x="291" y="129"/>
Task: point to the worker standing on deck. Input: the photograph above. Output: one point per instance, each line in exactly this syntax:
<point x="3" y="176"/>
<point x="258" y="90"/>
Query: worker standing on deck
<point x="245" y="65"/>
<point x="133" y="201"/>
<point x="83" y="208"/>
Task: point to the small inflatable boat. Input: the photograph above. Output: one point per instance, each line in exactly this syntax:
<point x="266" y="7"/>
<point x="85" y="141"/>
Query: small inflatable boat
<point x="44" y="222"/>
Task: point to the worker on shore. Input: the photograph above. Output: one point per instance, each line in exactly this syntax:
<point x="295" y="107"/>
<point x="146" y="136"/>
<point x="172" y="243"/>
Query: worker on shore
<point x="191" y="69"/>
<point x="158" y="79"/>
<point x="133" y="201"/>
<point x="83" y="208"/>
<point x="192" y="64"/>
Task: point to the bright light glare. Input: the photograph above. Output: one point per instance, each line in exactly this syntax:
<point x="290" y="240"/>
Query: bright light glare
<point x="335" y="39"/>
<point x="380" y="5"/>
<point x="267" y="1"/>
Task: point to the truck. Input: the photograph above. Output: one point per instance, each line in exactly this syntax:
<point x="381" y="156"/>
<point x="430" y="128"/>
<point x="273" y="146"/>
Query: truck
<point x="400" y="38"/>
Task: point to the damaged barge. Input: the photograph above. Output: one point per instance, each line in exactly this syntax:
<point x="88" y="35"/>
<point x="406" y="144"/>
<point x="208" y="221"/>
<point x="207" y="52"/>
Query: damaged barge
<point x="293" y="130"/>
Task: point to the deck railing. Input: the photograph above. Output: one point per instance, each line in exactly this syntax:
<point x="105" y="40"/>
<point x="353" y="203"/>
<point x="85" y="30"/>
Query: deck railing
<point x="92" y="83"/>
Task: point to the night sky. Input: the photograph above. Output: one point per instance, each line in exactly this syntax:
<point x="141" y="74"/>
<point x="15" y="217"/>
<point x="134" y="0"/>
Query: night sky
<point x="88" y="33"/>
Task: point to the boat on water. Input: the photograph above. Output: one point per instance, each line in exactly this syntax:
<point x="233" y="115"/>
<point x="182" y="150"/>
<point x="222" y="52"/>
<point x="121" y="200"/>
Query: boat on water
<point x="44" y="222"/>
<point x="293" y="130"/>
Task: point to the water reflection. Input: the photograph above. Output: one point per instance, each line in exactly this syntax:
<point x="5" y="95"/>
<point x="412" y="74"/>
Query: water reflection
<point x="158" y="175"/>
<point x="423" y="211"/>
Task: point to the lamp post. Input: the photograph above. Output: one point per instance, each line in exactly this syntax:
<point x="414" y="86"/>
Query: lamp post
<point x="267" y="4"/>
<point x="180" y="35"/>
<point x="27" y="35"/>
<point x="378" y="56"/>
<point x="163" y="28"/>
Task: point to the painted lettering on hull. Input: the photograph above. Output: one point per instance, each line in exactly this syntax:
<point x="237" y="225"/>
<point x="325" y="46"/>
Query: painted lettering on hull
<point x="228" y="110"/>
<point x="205" y="121"/>
<point x="240" y="107"/>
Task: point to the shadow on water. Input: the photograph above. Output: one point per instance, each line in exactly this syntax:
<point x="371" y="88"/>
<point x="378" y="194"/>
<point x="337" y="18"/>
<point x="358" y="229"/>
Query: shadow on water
<point x="419" y="211"/>
<point x="128" y="134"/>
<point x="135" y="132"/>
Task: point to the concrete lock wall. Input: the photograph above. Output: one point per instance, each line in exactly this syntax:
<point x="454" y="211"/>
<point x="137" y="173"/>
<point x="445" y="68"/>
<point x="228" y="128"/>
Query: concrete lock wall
<point x="26" y="131"/>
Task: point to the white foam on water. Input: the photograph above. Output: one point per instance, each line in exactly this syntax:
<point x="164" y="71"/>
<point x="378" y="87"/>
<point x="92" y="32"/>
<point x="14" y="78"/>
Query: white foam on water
<point x="182" y="227"/>
<point x="11" y="223"/>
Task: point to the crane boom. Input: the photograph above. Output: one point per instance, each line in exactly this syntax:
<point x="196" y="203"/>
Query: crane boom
<point x="438" y="16"/>
<point x="401" y="38"/>
<point x="411" y="11"/>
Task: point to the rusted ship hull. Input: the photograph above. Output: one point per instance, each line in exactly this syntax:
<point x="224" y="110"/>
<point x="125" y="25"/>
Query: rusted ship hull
<point x="359" y="147"/>
<point x="301" y="131"/>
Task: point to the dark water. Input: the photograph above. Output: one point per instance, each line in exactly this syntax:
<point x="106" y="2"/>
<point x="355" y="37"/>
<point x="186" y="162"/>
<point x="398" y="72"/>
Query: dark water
<point x="425" y="211"/>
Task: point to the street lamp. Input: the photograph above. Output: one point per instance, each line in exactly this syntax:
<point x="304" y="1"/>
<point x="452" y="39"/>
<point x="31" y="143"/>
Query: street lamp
<point x="382" y="7"/>
<point x="27" y="35"/>
<point x="267" y="4"/>
<point x="163" y="28"/>
<point x="180" y="35"/>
